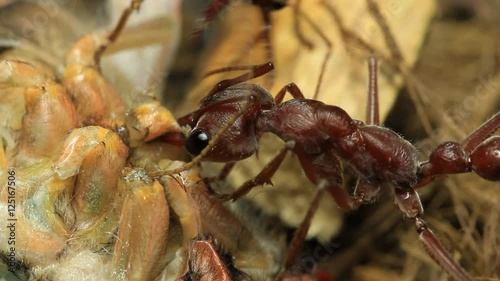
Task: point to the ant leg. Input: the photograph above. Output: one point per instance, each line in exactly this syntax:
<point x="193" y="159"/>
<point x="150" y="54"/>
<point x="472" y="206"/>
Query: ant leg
<point x="134" y="5"/>
<point x="220" y="177"/>
<point x="291" y="88"/>
<point x="265" y="35"/>
<point x="300" y="234"/>
<point x="325" y="171"/>
<point x="410" y="205"/>
<point x="225" y="171"/>
<point x="366" y="191"/>
<point x="264" y="177"/>
<point x="327" y="167"/>
<point x="372" y="112"/>
<point x="397" y="61"/>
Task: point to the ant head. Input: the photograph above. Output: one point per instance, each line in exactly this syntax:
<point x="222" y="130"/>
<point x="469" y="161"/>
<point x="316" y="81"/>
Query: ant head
<point x="239" y="141"/>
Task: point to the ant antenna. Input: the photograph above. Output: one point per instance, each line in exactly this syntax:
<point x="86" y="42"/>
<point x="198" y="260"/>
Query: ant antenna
<point x="372" y="114"/>
<point x="230" y="68"/>
<point x="400" y="64"/>
<point x="256" y="72"/>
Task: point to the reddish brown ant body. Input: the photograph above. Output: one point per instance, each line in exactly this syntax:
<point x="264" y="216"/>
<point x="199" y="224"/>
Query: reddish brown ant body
<point x="324" y="138"/>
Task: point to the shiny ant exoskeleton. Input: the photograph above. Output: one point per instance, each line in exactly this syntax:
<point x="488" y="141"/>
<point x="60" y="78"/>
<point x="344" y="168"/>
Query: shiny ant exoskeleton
<point x="325" y="138"/>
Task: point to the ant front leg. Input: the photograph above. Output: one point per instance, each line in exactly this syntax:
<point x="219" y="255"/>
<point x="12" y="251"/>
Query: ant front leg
<point x="264" y="177"/>
<point x="365" y="190"/>
<point x="479" y="153"/>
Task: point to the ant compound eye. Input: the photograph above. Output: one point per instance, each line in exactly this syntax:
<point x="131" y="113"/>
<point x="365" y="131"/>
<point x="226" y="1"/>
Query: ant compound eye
<point x="196" y="142"/>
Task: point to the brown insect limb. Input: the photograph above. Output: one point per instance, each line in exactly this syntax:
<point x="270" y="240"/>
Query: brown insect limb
<point x="435" y="249"/>
<point x="230" y="68"/>
<point x="397" y="65"/>
<point x="409" y="204"/>
<point x="265" y="36"/>
<point x="225" y="171"/>
<point x="228" y="167"/>
<point x="264" y="177"/>
<point x="400" y="64"/>
<point x="298" y="239"/>
<point x="372" y="116"/>
<point x="134" y="5"/>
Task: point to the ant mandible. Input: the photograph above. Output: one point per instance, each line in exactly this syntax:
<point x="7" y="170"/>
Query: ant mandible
<point x="324" y="137"/>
